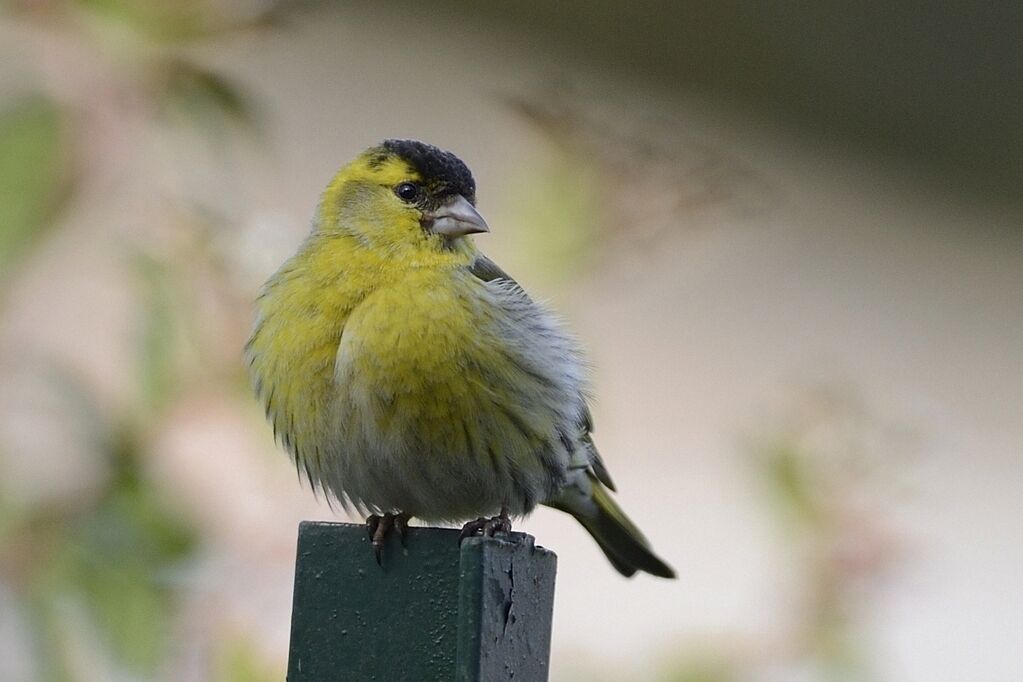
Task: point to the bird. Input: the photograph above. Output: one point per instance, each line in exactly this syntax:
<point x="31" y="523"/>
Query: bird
<point x="409" y="376"/>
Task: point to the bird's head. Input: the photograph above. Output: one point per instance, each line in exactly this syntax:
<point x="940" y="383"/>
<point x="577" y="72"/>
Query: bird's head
<point x="403" y="193"/>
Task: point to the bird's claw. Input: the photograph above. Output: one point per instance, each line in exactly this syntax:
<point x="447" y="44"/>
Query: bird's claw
<point x="401" y="525"/>
<point x="378" y="526"/>
<point x="487" y="527"/>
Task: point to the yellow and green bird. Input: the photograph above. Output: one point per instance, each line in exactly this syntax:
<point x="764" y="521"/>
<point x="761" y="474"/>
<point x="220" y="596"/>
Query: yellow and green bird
<point x="408" y="375"/>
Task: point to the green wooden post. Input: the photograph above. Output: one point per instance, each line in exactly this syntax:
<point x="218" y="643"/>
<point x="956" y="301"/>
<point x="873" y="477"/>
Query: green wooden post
<point x="433" y="611"/>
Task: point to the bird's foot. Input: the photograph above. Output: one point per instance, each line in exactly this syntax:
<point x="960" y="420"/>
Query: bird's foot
<point x="487" y="527"/>
<point x="378" y="526"/>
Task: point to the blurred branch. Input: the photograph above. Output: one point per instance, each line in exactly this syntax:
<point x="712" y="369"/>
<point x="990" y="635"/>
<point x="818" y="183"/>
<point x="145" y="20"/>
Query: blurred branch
<point x="656" y="174"/>
<point x="194" y="89"/>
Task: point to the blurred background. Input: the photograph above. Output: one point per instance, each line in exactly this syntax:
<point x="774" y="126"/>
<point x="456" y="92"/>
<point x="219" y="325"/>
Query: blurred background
<point x="789" y="235"/>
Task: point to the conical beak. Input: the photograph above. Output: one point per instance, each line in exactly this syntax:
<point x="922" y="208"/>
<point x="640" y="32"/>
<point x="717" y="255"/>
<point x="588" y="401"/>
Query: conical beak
<point x="457" y="217"/>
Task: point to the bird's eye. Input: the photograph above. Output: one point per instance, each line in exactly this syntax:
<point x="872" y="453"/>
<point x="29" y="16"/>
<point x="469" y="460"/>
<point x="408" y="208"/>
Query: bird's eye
<point x="407" y="191"/>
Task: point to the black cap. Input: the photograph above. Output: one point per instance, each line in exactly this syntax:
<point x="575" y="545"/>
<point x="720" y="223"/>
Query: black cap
<point x="443" y="171"/>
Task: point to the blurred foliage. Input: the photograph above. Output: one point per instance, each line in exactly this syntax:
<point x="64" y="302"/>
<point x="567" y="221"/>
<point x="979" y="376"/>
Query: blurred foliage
<point x="100" y="575"/>
<point x="703" y="666"/>
<point x="203" y="99"/>
<point x="112" y="557"/>
<point x="560" y="226"/>
<point x="816" y="466"/>
<point x="936" y="85"/>
<point x="789" y="475"/>
<point x="119" y="557"/>
<point x="163" y="22"/>
<point x="163" y="331"/>
<point x="33" y="174"/>
<point x="241" y="662"/>
<point x="813" y="466"/>
<point x="109" y="564"/>
<point x="622" y="176"/>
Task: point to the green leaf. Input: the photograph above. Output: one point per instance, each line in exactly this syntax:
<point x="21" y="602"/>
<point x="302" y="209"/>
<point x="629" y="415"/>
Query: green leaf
<point x="33" y="174"/>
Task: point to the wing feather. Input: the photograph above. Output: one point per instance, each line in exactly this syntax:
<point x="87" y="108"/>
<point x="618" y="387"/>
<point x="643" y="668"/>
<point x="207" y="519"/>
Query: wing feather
<point x="488" y="271"/>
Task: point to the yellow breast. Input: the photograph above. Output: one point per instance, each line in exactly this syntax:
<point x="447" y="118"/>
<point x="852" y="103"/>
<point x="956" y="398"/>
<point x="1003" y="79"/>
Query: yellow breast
<point x="311" y="316"/>
<point x="409" y="359"/>
<point x="389" y="381"/>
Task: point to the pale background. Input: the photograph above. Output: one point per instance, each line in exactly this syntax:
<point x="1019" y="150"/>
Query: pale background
<point x="791" y="243"/>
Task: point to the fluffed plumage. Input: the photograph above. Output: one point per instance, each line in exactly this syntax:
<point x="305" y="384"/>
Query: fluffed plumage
<point x="406" y="372"/>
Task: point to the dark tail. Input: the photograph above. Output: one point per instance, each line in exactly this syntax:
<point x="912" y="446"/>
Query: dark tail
<point x="622" y="543"/>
